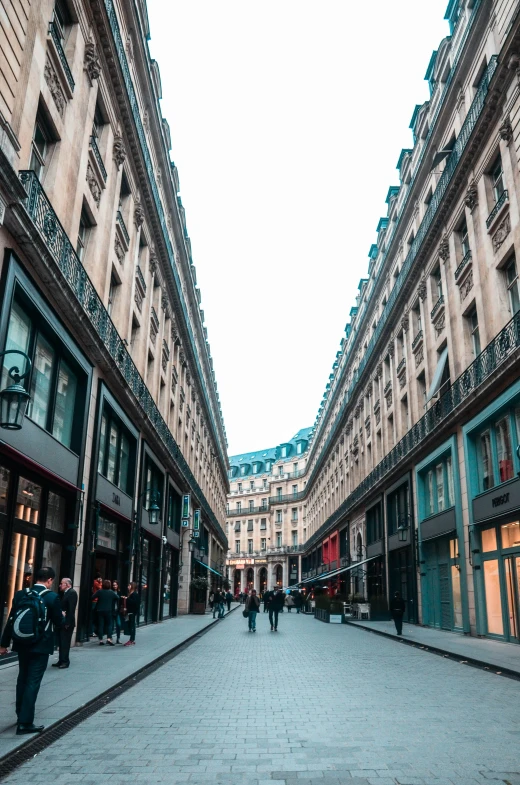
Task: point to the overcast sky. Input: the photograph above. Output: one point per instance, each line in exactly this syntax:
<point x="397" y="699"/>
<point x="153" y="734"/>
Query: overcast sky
<point x="287" y="119"/>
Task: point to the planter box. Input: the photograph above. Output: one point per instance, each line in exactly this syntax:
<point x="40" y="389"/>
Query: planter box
<point x="198" y="607"/>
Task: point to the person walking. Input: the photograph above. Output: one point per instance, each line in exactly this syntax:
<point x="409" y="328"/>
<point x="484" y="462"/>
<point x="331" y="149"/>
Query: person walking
<point x="132" y="604"/>
<point x="275" y="606"/>
<point x="252" y="608"/>
<point x="229" y="597"/>
<point x="267" y="599"/>
<point x="216" y="603"/>
<point x="298" y="601"/>
<point x="397" y="609"/>
<point x="30" y="628"/>
<point x="221" y="604"/>
<point x="117" y="610"/>
<point x="289" y="602"/>
<point x="97" y="584"/>
<point x="106" y="600"/>
<point x="68" y="601"/>
<point x="211" y="599"/>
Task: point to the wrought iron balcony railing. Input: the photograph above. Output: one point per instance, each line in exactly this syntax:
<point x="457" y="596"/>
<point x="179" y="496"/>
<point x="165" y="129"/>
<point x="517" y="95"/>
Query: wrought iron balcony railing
<point x="97" y="155"/>
<point x="401" y="367"/>
<point x="289" y="497"/>
<point x="416" y="341"/>
<point x="438" y="305"/>
<point x="452" y="161"/>
<point x="121" y="222"/>
<point x="504" y="197"/>
<point x="483" y="366"/>
<point x="45" y="220"/>
<point x="56" y="37"/>
<point x="388" y="387"/>
<point x="462" y="266"/>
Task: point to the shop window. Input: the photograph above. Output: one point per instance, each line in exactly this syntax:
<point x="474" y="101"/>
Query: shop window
<point x="154" y="483"/>
<point x="510" y="534"/>
<point x="486" y="462"/>
<point x="56" y="506"/>
<point x="495" y="624"/>
<point x="374" y="527"/>
<point x="439" y="490"/>
<point x="504" y="449"/>
<point x="489" y="540"/>
<point x="55" y="405"/>
<point x="174" y="511"/>
<point x="107" y="534"/>
<point x="116" y="458"/>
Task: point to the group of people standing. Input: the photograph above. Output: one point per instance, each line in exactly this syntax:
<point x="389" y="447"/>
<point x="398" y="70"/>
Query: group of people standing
<point x="274" y="602"/>
<point x="218" y="599"/>
<point x="110" y="609"/>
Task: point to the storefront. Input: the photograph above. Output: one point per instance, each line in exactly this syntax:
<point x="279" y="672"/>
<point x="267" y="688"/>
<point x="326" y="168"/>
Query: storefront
<point x="400" y="545"/>
<point x="441" y="540"/>
<point x="40" y="465"/>
<point x="171" y="552"/>
<point x="113" y="478"/>
<point x="375" y="539"/>
<point x="492" y="443"/>
<point x="148" y="562"/>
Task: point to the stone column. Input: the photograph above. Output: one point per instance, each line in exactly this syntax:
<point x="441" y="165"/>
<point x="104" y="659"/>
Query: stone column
<point x="183" y="603"/>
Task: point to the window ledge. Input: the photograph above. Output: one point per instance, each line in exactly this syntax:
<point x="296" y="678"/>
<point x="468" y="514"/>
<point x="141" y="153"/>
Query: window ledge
<point x="497" y="212"/>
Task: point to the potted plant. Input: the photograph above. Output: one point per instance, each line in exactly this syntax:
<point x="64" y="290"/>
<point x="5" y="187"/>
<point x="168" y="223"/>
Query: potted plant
<point x="199" y="588"/>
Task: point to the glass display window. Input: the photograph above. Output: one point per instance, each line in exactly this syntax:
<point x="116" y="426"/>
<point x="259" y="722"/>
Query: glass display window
<point x="510" y="535"/>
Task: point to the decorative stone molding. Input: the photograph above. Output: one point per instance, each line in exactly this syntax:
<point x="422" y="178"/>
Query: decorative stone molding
<point x="444" y="249"/>
<point x="53" y="83"/>
<point x="390" y="349"/>
<point x="91" y="61"/>
<point x="466" y="286"/>
<point x="379" y="370"/>
<point x="405" y="322"/>
<point x="138" y="212"/>
<point x="93" y="184"/>
<point x="119" y="151"/>
<point x="182" y="359"/>
<point x="419" y="354"/>
<point x="513" y="63"/>
<point x="153" y="265"/>
<point x="146" y="120"/>
<point x="120" y="251"/>
<point x="421" y="290"/>
<point x="506" y="131"/>
<point x="501" y="233"/>
<point x="440" y="324"/>
<point x="129" y="47"/>
<point x="471" y="198"/>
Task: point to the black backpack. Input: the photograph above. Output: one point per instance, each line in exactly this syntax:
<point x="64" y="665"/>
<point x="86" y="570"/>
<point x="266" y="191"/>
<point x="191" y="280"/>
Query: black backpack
<point x="29" y="618"/>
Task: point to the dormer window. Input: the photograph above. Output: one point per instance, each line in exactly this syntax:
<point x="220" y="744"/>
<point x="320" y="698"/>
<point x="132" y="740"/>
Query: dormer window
<point x="283" y="452"/>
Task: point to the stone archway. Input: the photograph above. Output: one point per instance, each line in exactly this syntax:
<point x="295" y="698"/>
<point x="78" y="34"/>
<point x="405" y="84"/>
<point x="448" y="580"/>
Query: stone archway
<point x="262" y="579"/>
<point x="278" y="575"/>
<point x="250" y="580"/>
<point x="237" y="582"/>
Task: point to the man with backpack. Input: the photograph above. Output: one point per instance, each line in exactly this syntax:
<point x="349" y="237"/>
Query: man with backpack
<point x="30" y="628"/>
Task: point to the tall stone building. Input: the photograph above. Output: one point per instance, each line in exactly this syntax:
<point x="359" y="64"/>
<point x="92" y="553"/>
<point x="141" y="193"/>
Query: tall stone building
<point x="123" y="435"/>
<point x="411" y="479"/>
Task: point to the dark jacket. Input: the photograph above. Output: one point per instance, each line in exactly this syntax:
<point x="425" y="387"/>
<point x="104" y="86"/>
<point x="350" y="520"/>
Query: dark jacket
<point x="106" y="600"/>
<point x="298" y="600"/>
<point x="268" y="596"/>
<point x="252" y="603"/>
<point x="397" y="605"/>
<point x="133" y="603"/>
<point x="54" y="616"/>
<point x="277" y="602"/>
<point x="69" y="601"/>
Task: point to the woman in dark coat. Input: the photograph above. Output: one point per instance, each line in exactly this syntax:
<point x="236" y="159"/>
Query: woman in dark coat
<point x="106" y="600"/>
<point x="132" y="604"/>
<point x="252" y="608"/>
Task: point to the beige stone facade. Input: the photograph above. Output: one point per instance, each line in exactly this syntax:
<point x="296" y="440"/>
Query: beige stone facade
<point x="98" y="272"/>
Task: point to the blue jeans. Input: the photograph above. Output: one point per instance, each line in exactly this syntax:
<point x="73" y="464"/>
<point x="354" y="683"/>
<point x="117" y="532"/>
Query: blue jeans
<point x="221" y="610"/>
<point x="252" y="620"/>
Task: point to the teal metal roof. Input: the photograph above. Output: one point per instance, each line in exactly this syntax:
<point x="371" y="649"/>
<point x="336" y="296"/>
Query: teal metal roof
<point x="269" y="453"/>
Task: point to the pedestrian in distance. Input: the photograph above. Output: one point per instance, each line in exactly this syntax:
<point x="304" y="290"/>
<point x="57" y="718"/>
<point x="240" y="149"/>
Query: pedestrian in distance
<point x="97" y="584"/>
<point x="289" y="602"/>
<point x="132" y="603"/>
<point x="252" y="608"/>
<point x="267" y="599"/>
<point x="211" y="598"/>
<point x="68" y="600"/>
<point x="229" y="597"/>
<point x="117" y="610"/>
<point x="221" y="604"/>
<point x="397" y="609"/>
<point x="30" y="629"/>
<point x="106" y="599"/>
<point x="298" y="601"/>
<point x="216" y="603"/>
<point x="275" y="606"/>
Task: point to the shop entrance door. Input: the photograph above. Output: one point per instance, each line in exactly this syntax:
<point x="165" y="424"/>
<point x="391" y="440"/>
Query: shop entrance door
<point x="512" y="576"/>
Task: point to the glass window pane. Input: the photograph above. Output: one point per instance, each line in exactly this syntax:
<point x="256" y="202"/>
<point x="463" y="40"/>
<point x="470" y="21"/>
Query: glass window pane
<point x="124" y="460"/>
<point x="64" y="405"/>
<point x="107" y="534"/>
<point x="55" y="513"/>
<point x="44" y="359"/>
<point x="457" y="597"/>
<point x="450" y="500"/>
<point x="504" y="449"/>
<point x="28" y="501"/>
<point x="112" y="453"/>
<point x="510" y="535"/>
<point x="52" y="558"/>
<point x="429" y="495"/>
<point x="495" y="623"/>
<point x="486" y="463"/>
<point x="5" y="476"/>
<point x="489" y="540"/>
<point x="439" y="476"/>
<point x="102" y="445"/>
<point x="20" y="568"/>
<point x="18" y="337"/>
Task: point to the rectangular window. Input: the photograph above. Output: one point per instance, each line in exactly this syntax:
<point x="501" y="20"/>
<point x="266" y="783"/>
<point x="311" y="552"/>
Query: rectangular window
<point x="512" y="286"/>
<point x="279" y="540"/>
<point x="294" y="516"/>
<point x="252" y="485"/>
<point x="250" y="526"/>
<point x="237" y="526"/>
<point x="294" y="536"/>
<point x="474" y="330"/>
<point x="237" y="546"/>
<point x="497" y="179"/>
<point x="486" y="462"/>
<point x="280" y="471"/>
<point x="429" y="500"/>
<point x="83" y="233"/>
<point x="504" y="449"/>
<point x="264" y="484"/>
<point x="239" y="506"/>
<point x="264" y="504"/>
<point x="464" y="238"/>
<point x="278" y="516"/>
<point x="263" y="524"/>
<point x="263" y="543"/>
<point x="295" y="490"/>
<point x="250" y="546"/>
<point x="251" y="504"/>
<point x="295" y="469"/>
<point x="439" y="476"/>
<point x="240" y="487"/>
<point x="279" y="493"/>
<point x="450" y="496"/>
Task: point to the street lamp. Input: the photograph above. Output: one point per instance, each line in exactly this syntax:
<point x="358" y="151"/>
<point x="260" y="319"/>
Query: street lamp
<point x="14" y="399"/>
<point x="154" y="508"/>
<point x="191" y="544"/>
<point x="402" y="533"/>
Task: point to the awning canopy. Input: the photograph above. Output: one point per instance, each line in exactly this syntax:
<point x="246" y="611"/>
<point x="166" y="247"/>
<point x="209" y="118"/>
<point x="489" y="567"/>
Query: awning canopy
<point x="332" y="574"/>
<point x="208" y="567"/>
<point x="437" y="376"/>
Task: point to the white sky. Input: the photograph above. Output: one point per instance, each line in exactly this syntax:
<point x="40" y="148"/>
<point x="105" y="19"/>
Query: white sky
<point x="287" y="119"/>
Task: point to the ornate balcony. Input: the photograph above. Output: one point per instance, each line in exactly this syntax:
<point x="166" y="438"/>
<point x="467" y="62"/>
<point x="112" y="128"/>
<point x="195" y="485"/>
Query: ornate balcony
<point x="417" y="340"/>
<point x="97" y="155"/>
<point x="56" y="40"/>
<point x="165" y="356"/>
<point x="437" y="307"/>
<point x="462" y="266"/>
<point x="122" y="226"/>
<point x="154" y="325"/>
<point x="140" y="288"/>
<point x="504" y="197"/>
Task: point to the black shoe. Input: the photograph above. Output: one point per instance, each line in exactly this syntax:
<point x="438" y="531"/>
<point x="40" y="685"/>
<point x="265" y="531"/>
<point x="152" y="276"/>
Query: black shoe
<point x="101" y="643"/>
<point x="272" y="628"/>
<point x="276" y="629"/>
<point x="63" y="665"/>
<point x="110" y="643"/>
<point x="56" y="664"/>
<point x="23" y="729"/>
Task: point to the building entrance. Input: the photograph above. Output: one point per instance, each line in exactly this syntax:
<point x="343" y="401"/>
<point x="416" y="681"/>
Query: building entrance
<point x="501" y="576"/>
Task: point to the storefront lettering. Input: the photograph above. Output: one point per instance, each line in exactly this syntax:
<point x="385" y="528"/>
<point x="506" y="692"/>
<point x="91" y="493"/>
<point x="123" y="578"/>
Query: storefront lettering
<point x="499" y="500"/>
<point x="116" y="499"/>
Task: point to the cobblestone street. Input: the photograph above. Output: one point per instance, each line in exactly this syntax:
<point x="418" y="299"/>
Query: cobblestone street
<point x="313" y="703"/>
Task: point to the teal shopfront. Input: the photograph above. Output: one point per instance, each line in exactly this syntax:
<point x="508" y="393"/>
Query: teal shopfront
<point x="441" y="540"/>
<point x="492" y="444"/>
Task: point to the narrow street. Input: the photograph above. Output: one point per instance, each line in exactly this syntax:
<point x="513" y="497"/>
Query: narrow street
<point x="313" y="703"/>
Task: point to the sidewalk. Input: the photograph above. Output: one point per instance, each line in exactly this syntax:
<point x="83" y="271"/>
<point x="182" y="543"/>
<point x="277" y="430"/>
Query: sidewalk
<point x="481" y="651"/>
<point x="93" y="670"/>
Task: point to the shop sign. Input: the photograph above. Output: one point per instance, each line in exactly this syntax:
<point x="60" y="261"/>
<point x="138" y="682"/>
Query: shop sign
<point x="186" y="504"/>
<point x="185" y="523"/>
<point x="196" y="533"/>
<point x="498" y="501"/>
<point x="335" y="618"/>
<point x="196" y="520"/>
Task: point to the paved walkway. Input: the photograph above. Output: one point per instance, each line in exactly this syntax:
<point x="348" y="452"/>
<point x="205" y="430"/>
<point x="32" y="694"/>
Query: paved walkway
<point x="314" y="704"/>
<point x="495" y="654"/>
<point x="93" y="670"/>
